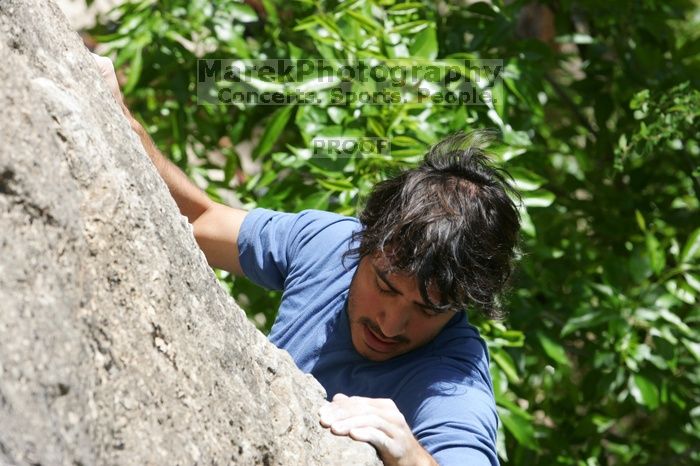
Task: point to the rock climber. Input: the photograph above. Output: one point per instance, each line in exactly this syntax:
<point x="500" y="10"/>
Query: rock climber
<point x="375" y="307"/>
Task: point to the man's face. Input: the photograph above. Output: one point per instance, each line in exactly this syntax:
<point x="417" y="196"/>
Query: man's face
<point x="387" y="314"/>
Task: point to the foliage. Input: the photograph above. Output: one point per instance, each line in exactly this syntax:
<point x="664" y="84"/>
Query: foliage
<point x="598" y="361"/>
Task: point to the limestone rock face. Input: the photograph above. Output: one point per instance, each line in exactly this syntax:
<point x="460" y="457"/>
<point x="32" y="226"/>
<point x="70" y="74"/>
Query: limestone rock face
<point x="117" y="345"/>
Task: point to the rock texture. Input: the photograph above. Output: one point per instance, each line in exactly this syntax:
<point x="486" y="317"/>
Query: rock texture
<point x="117" y="345"/>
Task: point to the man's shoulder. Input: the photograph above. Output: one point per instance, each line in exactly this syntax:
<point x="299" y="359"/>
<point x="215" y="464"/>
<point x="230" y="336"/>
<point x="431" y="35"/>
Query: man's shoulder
<point x="458" y="355"/>
<point x="450" y="383"/>
<point x="305" y="222"/>
<point x="306" y="214"/>
<point x="317" y="230"/>
<point x="459" y="340"/>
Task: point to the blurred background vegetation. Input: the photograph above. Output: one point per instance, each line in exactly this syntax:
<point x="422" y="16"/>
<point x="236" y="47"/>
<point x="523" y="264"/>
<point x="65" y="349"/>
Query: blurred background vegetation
<point x="598" y="122"/>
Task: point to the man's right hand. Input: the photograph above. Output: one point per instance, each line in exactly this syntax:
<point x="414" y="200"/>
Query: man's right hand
<point x="106" y="68"/>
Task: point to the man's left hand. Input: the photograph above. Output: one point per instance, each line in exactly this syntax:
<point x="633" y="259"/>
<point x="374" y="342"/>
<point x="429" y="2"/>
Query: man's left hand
<point x="379" y="423"/>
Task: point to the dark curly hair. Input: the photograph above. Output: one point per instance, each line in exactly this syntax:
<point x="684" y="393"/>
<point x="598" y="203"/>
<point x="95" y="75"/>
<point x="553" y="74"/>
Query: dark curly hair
<point x="451" y="222"/>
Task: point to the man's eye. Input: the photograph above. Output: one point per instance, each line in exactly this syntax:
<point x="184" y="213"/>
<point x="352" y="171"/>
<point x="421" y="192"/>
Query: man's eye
<point x="381" y="289"/>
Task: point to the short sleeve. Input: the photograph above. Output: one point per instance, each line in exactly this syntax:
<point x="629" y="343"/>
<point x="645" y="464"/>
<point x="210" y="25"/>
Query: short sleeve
<point x="272" y="245"/>
<point x="263" y="241"/>
<point x="458" y="426"/>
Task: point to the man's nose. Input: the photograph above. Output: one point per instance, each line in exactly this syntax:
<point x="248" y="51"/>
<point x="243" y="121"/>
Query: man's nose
<point x="393" y="321"/>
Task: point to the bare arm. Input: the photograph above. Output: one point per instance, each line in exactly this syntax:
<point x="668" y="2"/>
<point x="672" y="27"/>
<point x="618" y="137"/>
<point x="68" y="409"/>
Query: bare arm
<point x="216" y="226"/>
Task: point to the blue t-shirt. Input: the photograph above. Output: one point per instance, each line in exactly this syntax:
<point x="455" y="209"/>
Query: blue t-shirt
<point x="443" y="389"/>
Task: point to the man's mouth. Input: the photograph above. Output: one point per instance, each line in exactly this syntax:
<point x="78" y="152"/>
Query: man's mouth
<point x="378" y="343"/>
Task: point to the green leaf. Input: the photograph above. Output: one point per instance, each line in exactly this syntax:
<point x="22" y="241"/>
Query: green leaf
<point x="336" y="185"/>
<point x="589" y="320"/>
<point x="337" y="114"/>
<point x="134" y="71"/>
<point x="405" y="8"/>
<point x="553" y="349"/>
<point x="519" y="424"/>
<point x="693" y="347"/>
<point x="368" y="22"/>
<point x="681" y="291"/>
<point x="273" y="130"/>
<point x="676" y="321"/>
<point x="411" y="27"/>
<point x="230" y="167"/>
<point x="692" y="281"/>
<point x="506" y="153"/>
<point x="526" y="223"/>
<point x="314" y="84"/>
<point x="242" y="12"/>
<point x="318" y="201"/>
<point x="306" y="23"/>
<point x="406" y="141"/>
<point x="498" y="98"/>
<point x="271" y="10"/>
<point x="640" y="220"/>
<point x="644" y="391"/>
<point x="525" y="180"/>
<point x="376" y="127"/>
<point x="505" y="362"/>
<point x="516" y="138"/>
<point x="425" y="44"/>
<point x="691" y="248"/>
<point x="539" y="198"/>
<point x="657" y="256"/>
<point x="329" y="25"/>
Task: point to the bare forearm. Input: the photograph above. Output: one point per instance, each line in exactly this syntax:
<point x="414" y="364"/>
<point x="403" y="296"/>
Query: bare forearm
<point x="191" y="200"/>
<point x="216" y="226"/>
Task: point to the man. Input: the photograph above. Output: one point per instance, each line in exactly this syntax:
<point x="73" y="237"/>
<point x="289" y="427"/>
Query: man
<point x="375" y="308"/>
